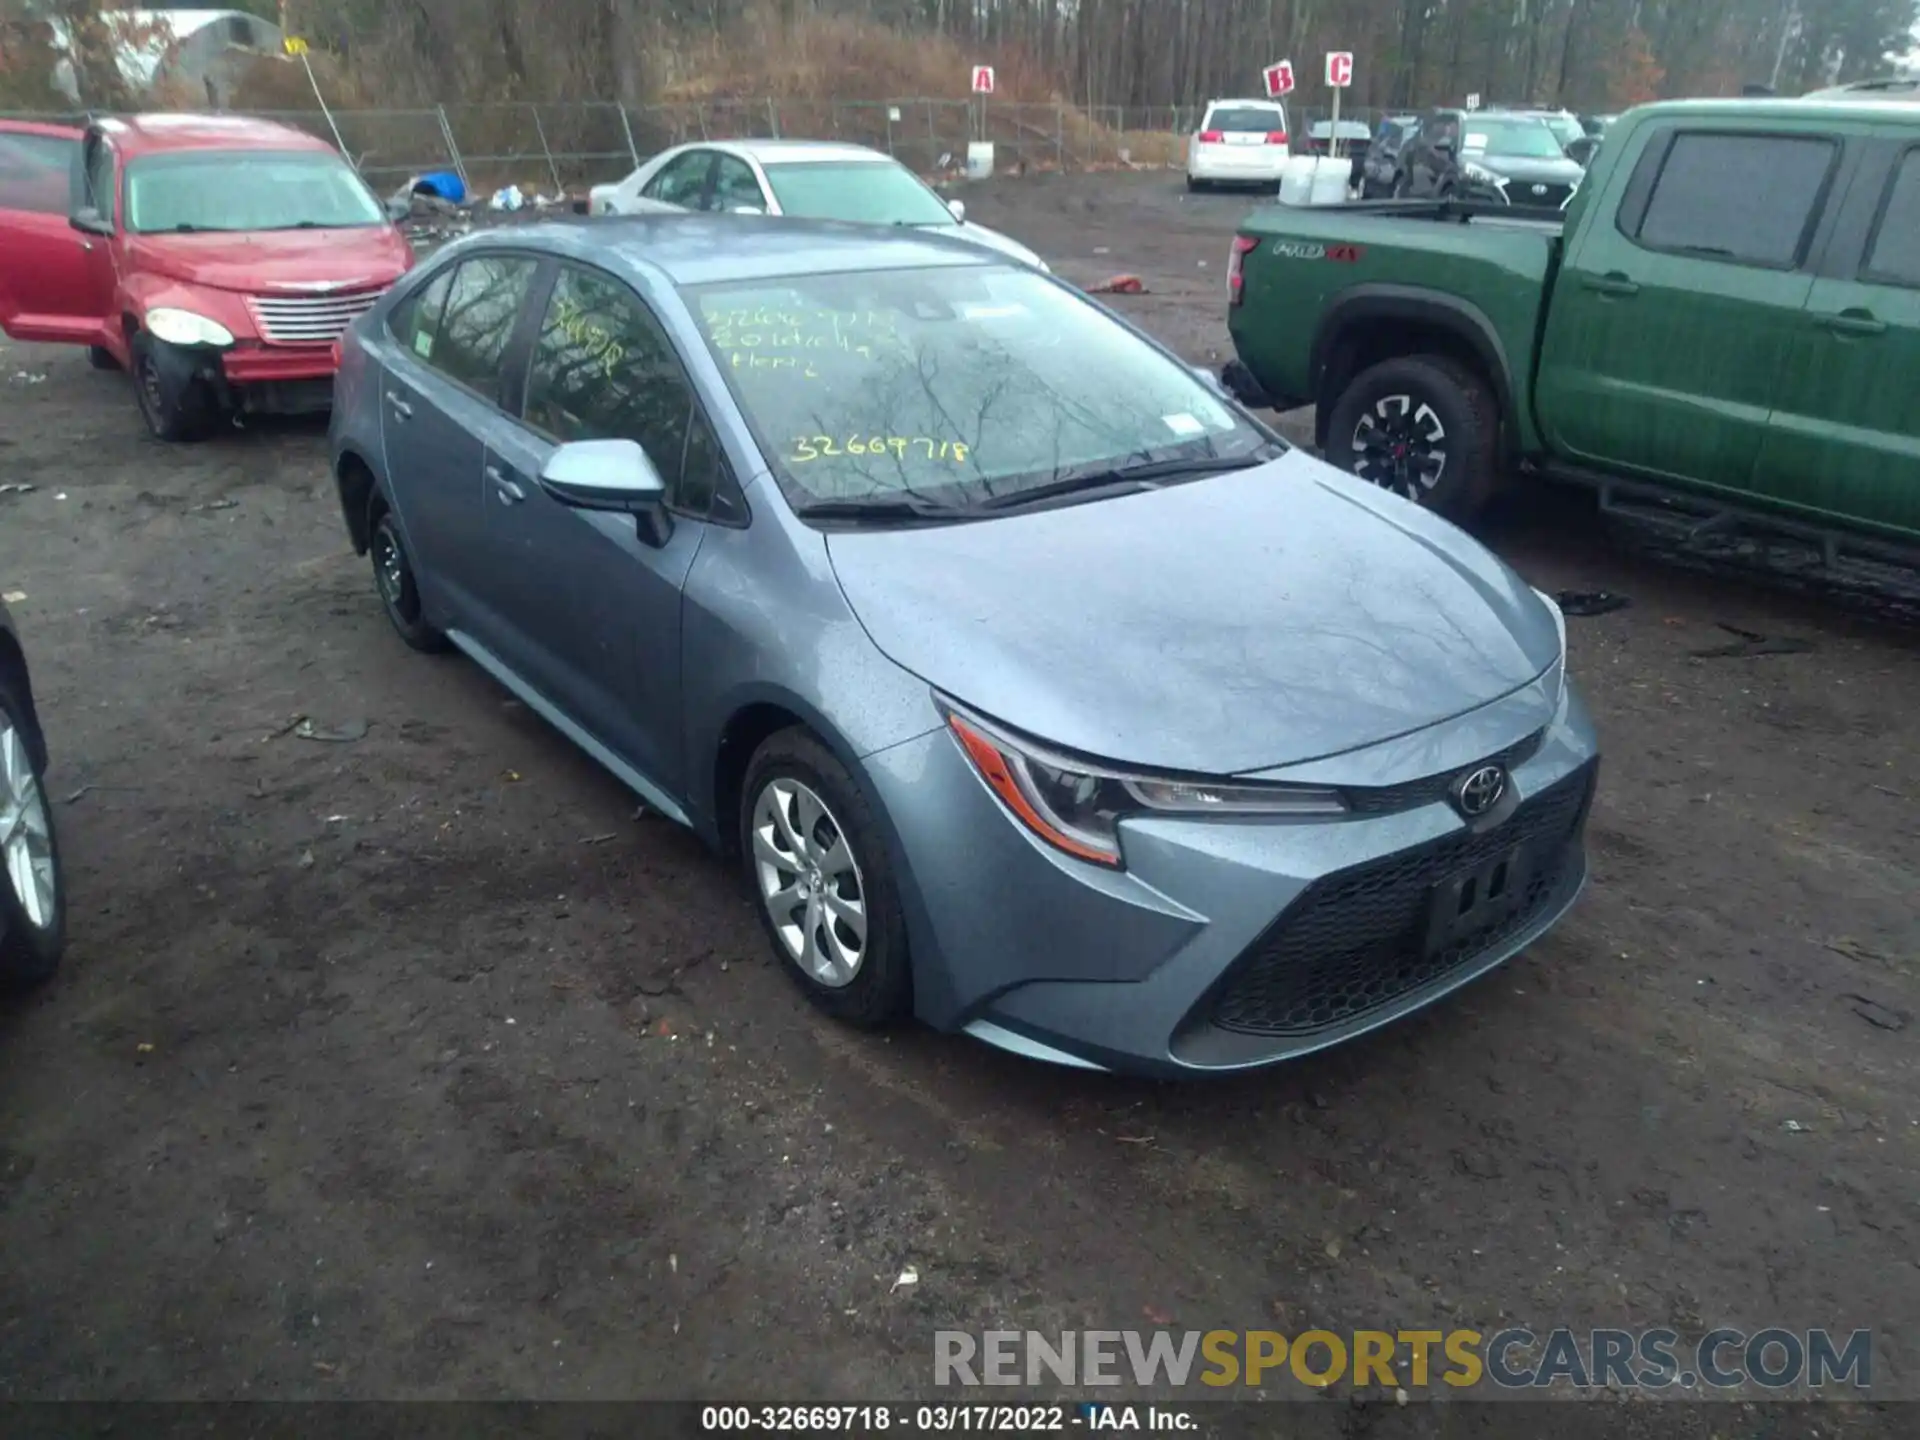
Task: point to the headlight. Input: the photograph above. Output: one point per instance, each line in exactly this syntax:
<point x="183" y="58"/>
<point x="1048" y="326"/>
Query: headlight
<point x="183" y="327"/>
<point x="1077" y="807"/>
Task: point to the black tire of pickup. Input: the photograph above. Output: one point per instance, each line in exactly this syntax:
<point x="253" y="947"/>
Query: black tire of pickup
<point x="1394" y="417"/>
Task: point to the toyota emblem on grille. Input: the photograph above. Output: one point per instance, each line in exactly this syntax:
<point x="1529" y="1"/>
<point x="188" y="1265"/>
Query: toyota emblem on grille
<point x="1539" y="189"/>
<point x="1480" y="790"/>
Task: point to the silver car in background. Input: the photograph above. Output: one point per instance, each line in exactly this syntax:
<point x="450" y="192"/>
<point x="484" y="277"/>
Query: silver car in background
<point x="801" y="179"/>
<point x="1035" y="687"/>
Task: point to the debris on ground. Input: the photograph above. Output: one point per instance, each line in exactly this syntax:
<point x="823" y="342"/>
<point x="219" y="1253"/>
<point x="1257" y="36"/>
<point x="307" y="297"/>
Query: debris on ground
<point x="1587" y="603"/>
<point x="1752" y="643"/>
<point x="18" y="489"/>
<point x="213" y="505"/>
<point x="908" y="1276"/>
<point x="509" y="198"/>
<point x="1119" y="285"/>
<point x="14" y="597"/>
<point x="344" y="734"/>
<point x="30" y="377"/>
<point x="1881" y="1017"/>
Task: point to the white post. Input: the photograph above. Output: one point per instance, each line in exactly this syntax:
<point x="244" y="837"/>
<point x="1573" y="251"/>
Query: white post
<point x="1333" y="144"/>
<point x="313" y="80"/>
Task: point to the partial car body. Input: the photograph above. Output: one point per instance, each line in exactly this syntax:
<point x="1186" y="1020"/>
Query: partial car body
<point x="215" y="258"/>
<point x="1381" y="167"/>
<point x="33" y="896"/>
<point x="1490" y="157"/>
<point x="1038" y="689"/>
<point x="804" y="179"/>
<point x="1239" y="142"/>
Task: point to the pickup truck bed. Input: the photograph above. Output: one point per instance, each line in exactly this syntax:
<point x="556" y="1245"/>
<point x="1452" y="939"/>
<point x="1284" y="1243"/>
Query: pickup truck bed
<point x="1723" y="322"/>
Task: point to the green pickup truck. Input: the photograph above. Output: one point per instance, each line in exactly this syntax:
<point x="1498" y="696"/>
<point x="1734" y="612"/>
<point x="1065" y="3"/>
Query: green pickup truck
<point x="1723" y="323"/>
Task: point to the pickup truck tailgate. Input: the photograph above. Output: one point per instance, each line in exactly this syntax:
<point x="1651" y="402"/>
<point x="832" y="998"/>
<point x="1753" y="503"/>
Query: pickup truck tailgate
<point x="1310" y="276"/>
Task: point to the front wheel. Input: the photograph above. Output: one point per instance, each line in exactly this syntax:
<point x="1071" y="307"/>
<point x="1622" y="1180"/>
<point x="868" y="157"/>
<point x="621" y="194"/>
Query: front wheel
<point x="1425" y="427"/>
<point x="176" y="409"/>
<point x="818" y="863"/>
<point x="33" y="893"/>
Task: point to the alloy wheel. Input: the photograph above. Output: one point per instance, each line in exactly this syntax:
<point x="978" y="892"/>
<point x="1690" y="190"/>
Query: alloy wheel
<point x="152" y="399"/>
<point x="1400" y="445"/>
<point x="809" y="882"/>
<point x="26" y="839"/>
<point x="389" y="567"/>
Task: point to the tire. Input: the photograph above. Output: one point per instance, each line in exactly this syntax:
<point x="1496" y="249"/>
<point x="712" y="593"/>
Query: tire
<point x="33" y="890"/>
<point x="790" y="778"/>
<point x="1194" y="187"/>
<point x="175" y="414"/>
<point x="101" y="358"/>
<point x="1392" y="420"/>
<point x="394" y="583"/>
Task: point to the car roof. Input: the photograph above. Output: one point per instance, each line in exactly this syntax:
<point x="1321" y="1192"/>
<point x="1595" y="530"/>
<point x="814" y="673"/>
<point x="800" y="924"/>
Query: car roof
<point x="1785" y="108"/>
<point x="1263" y="100"/>
<point x="1904" y="89"/>
<point x="799" y="152"/>
<point x="148" y="134"/>
<point x="696" y="248"/>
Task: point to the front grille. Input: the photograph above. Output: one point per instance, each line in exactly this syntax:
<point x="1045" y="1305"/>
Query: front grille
<point x="307" y="319"/>
<point x="1356" y="941"/>
<point x="1521" y="192"/>
<point x="1411" y="794"/>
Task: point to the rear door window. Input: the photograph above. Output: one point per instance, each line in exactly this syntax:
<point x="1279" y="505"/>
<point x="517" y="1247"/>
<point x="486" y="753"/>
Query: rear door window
<point x="482" y="307"/>
<point x="1894" y="257"/>
<point x="1246" y="119"/>
<point x="33" y="172"/>
<point x="1747" y="199"/>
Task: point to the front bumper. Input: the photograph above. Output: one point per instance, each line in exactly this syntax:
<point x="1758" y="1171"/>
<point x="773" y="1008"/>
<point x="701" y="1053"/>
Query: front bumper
<point x="251" y="378"/>
<point x="1226" y="946"/>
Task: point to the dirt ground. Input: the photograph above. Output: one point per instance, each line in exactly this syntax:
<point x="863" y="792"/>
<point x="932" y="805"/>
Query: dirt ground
<point x="415" y="1065"/>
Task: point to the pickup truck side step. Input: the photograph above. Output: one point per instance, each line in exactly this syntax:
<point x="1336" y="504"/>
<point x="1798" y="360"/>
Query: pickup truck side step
<point x="1708" y="534"/>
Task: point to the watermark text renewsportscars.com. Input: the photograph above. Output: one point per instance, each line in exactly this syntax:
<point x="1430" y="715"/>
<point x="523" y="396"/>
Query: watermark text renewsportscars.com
<point x="1726" y="1360"/>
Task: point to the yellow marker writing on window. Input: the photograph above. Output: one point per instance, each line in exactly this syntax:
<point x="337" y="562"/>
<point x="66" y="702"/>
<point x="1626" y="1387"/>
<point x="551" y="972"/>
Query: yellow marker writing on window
<point x="899" y="447"/>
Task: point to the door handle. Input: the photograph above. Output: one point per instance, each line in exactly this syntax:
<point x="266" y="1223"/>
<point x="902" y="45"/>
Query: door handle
<point x="400" y="407"/>
<point x="504" y="490"/>
<point x="1852" y="322"/>
<point x="1614" y="284"/>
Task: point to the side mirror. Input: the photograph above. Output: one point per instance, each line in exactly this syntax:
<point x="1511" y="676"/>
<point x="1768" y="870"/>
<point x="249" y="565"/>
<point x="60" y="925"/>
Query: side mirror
<point x="611" y="475"/>
<point x="90" y="221"/>
<point x="400" y="207"/>
<point x="958" y="209"/>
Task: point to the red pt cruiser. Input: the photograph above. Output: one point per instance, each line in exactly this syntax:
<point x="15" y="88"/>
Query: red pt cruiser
<point x="215" y="258"/>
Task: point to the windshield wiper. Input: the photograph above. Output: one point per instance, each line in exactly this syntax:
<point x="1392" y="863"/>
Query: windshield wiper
<point x="1148" y="475"/>
<point x="894" y="506"/>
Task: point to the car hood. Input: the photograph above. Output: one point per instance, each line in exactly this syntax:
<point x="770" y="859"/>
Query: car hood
<point x="1564" y="171"/>
<point x="1227" y="625"/>
<point x="270" y="262"/>
<point x="987" y="239"/>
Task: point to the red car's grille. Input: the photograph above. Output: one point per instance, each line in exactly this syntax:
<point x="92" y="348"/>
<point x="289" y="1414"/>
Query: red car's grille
<point x="307" y="319"/>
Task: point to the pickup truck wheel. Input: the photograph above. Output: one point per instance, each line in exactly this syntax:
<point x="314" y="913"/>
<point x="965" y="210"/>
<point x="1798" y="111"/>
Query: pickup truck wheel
<point x="1425" y="427"/>
<point x="175" y="410"/>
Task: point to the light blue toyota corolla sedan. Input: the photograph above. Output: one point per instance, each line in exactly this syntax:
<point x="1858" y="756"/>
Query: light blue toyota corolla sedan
<point x="1038" y="689"/>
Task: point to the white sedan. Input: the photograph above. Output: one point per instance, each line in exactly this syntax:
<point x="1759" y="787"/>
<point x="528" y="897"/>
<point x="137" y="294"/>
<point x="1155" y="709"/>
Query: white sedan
<point x="809" y="179"/>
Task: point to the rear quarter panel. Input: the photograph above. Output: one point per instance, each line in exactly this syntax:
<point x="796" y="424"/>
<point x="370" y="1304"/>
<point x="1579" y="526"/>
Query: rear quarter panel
<point x="1317" y="271"/>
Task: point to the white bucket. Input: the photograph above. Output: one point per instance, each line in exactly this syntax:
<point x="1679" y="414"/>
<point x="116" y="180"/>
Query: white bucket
<point x="1296" y="180"/>
<point x="980" y="160"/>
<point x="1330" y="180"/>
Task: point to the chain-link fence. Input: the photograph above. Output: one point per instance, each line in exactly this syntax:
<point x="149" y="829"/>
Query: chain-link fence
<point x="557" y="147"/>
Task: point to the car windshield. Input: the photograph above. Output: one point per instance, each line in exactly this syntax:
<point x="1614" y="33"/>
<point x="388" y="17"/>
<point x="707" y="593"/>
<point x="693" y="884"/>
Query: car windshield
<point x="955" y="385"/>
<point x="1245" y="120"/>
<point x="247" y="190"/>
<point x="1515" y="139"/>
<point x="865" y="192"/>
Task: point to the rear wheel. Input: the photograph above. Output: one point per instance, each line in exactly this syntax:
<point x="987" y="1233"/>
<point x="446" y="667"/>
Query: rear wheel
<point x="101" y="358"/>
<point x="1425" y="427"/>
<point x="33" y="895"/>
<point x="818" y="863"/>
<point x="1195" y="186"/>
<point x="399" y="594"/>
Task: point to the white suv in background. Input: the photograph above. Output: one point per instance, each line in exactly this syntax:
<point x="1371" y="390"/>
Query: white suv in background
<point x="1240" y="142"/>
